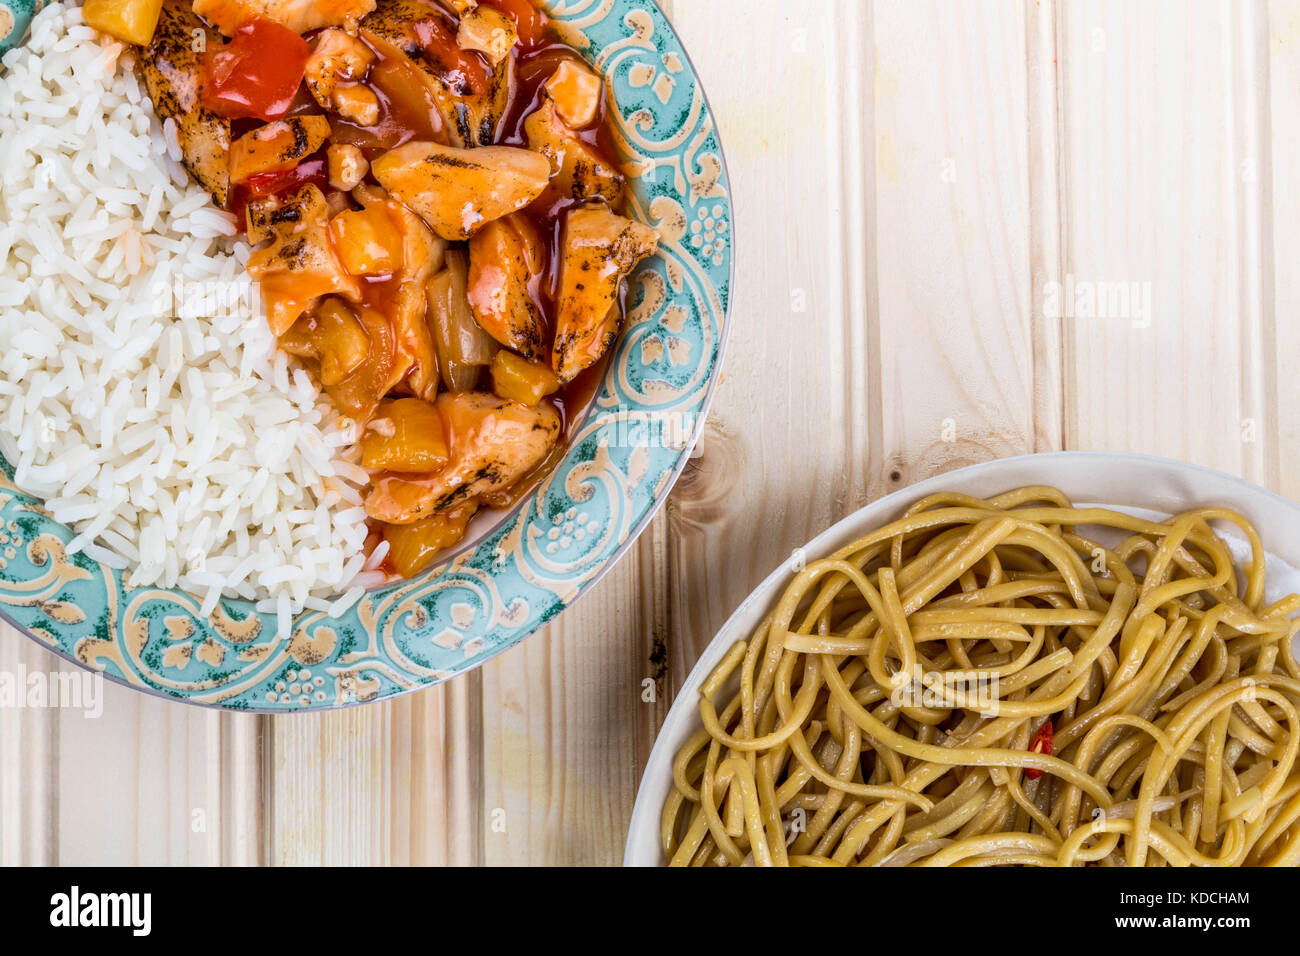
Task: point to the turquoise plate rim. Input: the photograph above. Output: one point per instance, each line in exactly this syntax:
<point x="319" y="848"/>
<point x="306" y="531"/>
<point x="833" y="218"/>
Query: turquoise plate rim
<point x="125" y="641"/>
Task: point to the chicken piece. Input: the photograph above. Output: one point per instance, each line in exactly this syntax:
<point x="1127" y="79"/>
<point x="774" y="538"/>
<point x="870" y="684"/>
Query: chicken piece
<point x="299" y="266"/>
<point x="367" y="193"/>
<point x="257" y="219"/>
<point x="406" y="436"/>
<point x="356" y="103"/>
<point x="493" y="444"/>
<point x="414" y="30"/>
<point x="457" y="191"/>
<point x="488" y="31"/>
<point x="335" y="58"/>
<point x="421" y="256"/>
<point x="172" y="73"/>
<point x="424" y="254"/>
<point x="277" y="147"/>
<point x="347" y="166"/>
<point x="578" y="171"/>
<point x="413" y="547"/>
<point x="300" y="16"/>
<point x="575" y="90"/>
<point x="335" y="69"/>
<point x="505" y="266"/>
<point x="598" y="251"/>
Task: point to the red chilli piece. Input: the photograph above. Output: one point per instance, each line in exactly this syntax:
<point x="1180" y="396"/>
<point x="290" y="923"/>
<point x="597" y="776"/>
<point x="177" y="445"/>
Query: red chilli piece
<point x="1041" y="744"/>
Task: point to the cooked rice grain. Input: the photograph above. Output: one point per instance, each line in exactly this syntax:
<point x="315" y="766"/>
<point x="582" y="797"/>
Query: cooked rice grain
<point x="141" y="393"/>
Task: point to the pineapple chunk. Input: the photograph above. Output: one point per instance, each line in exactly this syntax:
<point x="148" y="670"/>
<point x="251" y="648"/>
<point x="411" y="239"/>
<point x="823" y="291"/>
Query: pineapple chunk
<point x="406" y="435"/>
<point x="359" y="394"/>
<point x="413" y="547"/>
<point x="575" y="91"/>
<point x="493" y="444"/>
<point x="367" y="241"/>
<point x="341" y="342"/>
<point x="131" y="21"/>
<point x="519" y="380"/>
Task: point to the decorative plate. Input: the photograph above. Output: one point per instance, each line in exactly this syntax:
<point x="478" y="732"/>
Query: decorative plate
<point x="15" y="18"/>
<point x="538" y="560"/>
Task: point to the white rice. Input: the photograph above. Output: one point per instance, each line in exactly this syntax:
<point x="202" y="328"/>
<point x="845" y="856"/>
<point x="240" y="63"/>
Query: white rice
<point x="141" y="392"/>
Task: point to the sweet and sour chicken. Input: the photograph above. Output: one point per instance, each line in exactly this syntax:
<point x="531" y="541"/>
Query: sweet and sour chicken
<point x="437" y="220"/>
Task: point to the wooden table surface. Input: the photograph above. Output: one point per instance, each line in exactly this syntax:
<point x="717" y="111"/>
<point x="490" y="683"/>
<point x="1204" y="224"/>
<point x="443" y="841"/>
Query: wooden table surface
<point x="965" y="229"/>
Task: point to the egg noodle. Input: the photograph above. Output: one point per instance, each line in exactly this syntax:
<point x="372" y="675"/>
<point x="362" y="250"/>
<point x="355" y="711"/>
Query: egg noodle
<point x="981" y="684"/>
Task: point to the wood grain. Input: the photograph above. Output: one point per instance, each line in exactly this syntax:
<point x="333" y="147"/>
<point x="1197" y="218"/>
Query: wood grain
<point x="1164" y="169"/>
<point x="917" y="185"/>
<point x="146" y="782"/>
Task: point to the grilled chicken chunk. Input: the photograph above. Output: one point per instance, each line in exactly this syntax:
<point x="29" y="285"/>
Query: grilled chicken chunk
<point x="457" y="191"/>
<point x="578" y="171"/>
<point x="505" y="263"/>
<point x="488" y="31"/>
<point x="277" y="147"/>
<point x="422" y="254"/>
<point x="413" y="30"/>
<point x="335" y="69"/>
<point x="598" y="251"/>
<point x="172" y="72"/>
<point x="300" y="16"/>
<point x="493" y="443"/>
<point x="299" y="266"/>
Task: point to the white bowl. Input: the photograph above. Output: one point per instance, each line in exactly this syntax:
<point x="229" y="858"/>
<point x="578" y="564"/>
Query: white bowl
<point x="1129" y="482"/>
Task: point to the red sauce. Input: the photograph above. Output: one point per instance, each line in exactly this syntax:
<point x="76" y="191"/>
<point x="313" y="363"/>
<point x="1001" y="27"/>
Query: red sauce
<point x="409" y="112"/>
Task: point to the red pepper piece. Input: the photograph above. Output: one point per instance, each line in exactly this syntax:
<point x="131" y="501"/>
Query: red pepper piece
<point x="1041" y="744"/>
<point x="264" y="185"/>
<point x="257" y="73"/>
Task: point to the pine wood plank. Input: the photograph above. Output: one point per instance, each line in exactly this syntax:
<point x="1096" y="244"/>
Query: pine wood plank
<point x="1165" y="115"/>
<point x="148" y="782"/>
